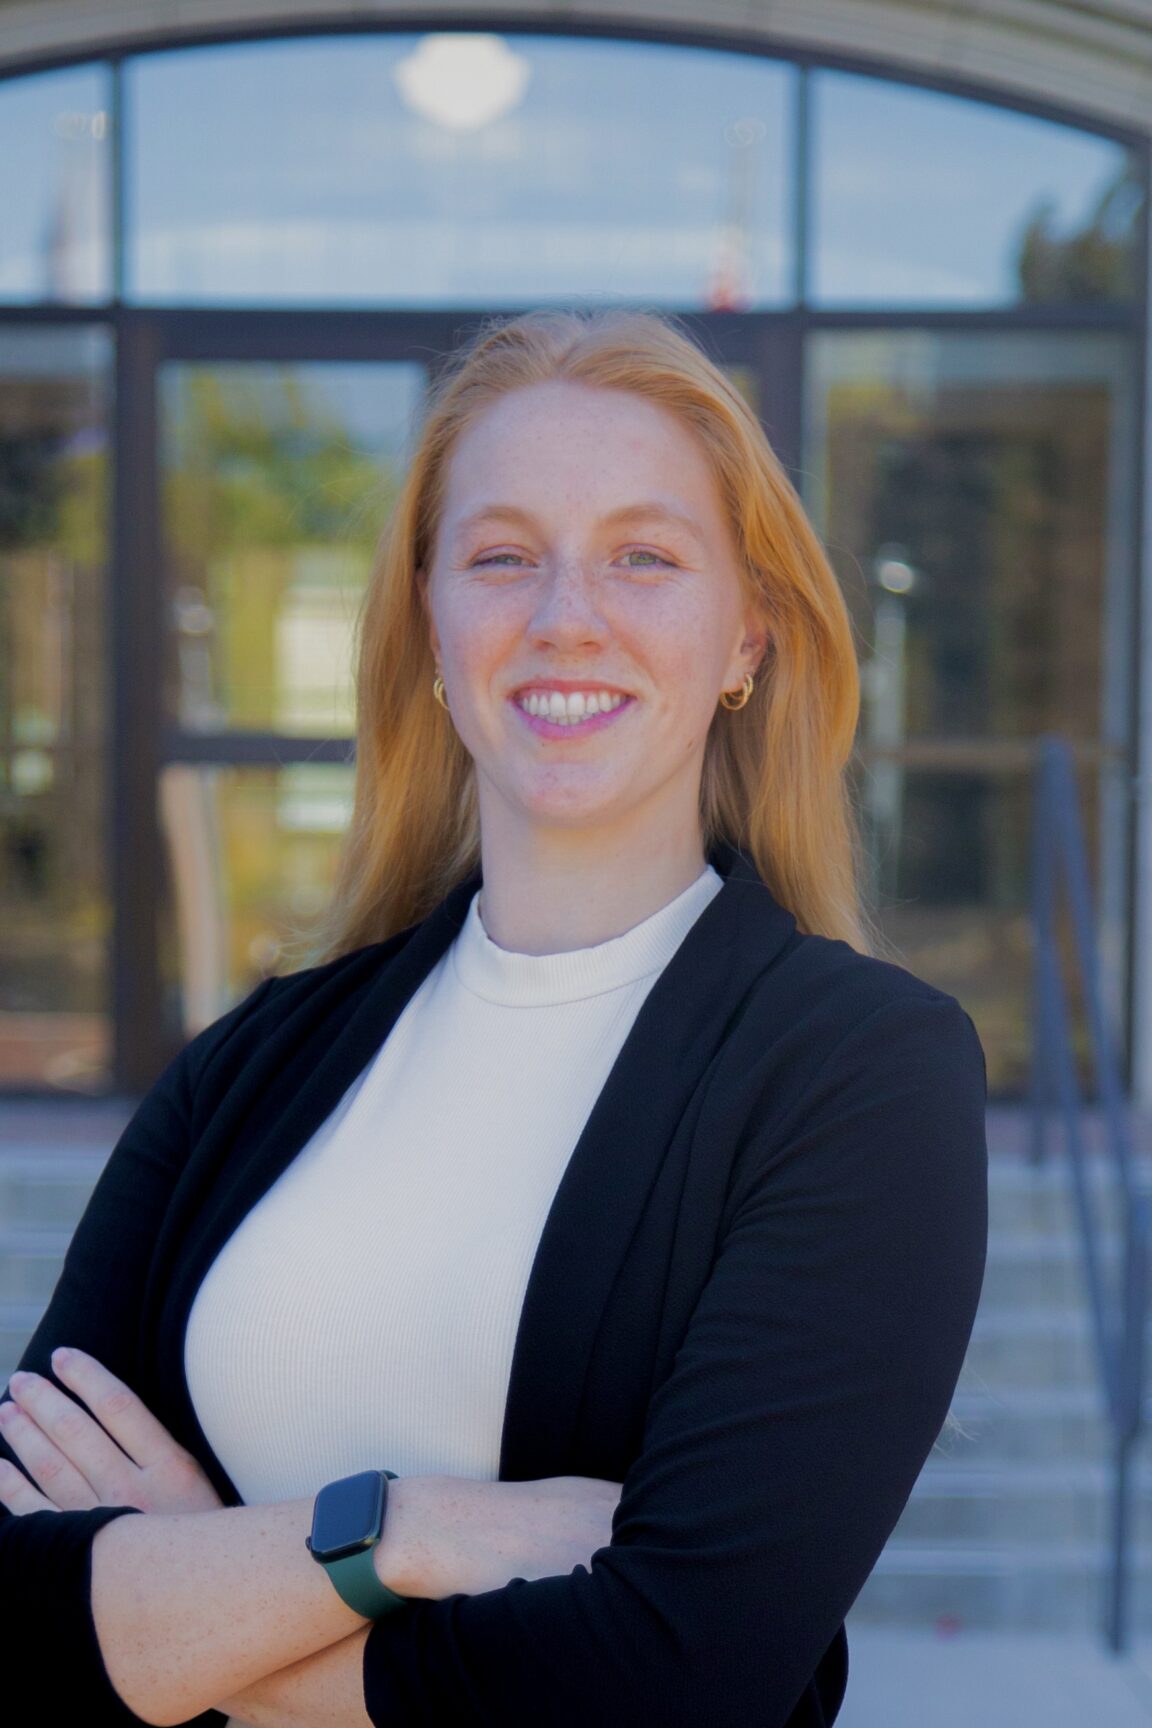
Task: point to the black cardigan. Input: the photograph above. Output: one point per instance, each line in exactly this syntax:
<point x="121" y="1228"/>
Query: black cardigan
<point x="750" y="1305"/>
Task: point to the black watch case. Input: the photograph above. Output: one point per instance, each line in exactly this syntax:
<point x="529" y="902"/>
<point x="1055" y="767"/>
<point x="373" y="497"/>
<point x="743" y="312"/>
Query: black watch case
<point x="348" y="1515"/>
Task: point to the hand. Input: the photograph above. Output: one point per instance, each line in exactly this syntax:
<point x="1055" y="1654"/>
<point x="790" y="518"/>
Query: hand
<point x="120" y="1455"/>
<point x="444" y="1534"/>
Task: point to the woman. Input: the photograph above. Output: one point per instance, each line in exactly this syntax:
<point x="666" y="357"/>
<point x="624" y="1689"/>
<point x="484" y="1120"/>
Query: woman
<point x="599" y="1181"/>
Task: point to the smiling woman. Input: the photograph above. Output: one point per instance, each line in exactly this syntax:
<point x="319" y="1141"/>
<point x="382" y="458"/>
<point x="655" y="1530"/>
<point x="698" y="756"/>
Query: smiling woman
<point x="540" y="1307"/>
<point x="592" y="503"/>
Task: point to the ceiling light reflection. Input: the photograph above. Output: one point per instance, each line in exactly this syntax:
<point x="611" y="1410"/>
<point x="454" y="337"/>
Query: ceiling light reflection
<point x="462" y="80"/>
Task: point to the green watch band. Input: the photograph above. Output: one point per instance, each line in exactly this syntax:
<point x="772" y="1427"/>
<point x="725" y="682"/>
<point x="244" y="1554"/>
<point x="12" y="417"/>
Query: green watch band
<point x="354" y="1575"/>
<point x="356" y="1581"/>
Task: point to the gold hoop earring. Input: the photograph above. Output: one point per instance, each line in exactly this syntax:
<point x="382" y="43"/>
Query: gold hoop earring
<point x="438" y="691"/>
<point x="741" y="696"/>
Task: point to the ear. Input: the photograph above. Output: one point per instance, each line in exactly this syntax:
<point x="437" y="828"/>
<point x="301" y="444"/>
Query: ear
<point x="755" y="645"/>
<point x="758" y="644"/>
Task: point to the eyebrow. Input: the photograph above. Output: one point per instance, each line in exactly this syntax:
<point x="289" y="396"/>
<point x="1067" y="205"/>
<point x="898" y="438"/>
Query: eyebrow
<point x="648" y="510"/>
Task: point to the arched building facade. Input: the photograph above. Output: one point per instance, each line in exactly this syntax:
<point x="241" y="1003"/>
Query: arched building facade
<point x="234" y="239"/>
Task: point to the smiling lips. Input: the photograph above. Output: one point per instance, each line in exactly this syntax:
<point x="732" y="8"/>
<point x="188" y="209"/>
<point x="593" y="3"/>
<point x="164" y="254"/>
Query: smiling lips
<point x="568" y="706"/>
<point x="556" y="714"/>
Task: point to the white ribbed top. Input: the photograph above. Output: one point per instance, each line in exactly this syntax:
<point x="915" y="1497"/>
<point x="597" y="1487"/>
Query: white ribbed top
<point x="364" y="1312"/>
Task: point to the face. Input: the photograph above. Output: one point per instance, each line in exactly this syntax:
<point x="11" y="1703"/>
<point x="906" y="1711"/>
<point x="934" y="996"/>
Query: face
<point x="583" y="548"/>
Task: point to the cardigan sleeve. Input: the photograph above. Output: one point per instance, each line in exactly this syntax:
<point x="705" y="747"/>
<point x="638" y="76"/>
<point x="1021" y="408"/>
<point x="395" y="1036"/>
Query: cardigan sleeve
<point x="45" y="1557"/>
<point x="812" y="1381"/>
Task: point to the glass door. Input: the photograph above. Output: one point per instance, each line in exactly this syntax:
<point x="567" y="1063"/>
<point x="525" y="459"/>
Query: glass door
<point x="259" y="457"/>
<point x="55" y="893"/>
<point x="275" y="480"/>
<point x="971" y="488"/>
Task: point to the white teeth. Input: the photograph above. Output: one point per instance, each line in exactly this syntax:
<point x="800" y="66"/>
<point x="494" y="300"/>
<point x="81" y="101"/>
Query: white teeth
<point x="569" y="710"/>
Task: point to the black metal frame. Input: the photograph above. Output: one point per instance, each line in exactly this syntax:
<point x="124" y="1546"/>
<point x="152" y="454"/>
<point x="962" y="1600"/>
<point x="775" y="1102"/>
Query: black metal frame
<point x="770" y="342"/>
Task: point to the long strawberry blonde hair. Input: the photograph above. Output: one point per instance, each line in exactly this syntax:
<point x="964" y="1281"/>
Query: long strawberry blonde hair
<point x="773" y="780"/>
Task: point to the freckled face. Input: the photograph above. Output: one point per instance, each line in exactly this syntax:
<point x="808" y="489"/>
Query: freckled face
<point x="537" y="573"/>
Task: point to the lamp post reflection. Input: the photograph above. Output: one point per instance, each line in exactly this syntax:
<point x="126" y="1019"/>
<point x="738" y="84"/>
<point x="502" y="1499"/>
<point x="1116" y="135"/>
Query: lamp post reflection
<point x="894" y="578"/>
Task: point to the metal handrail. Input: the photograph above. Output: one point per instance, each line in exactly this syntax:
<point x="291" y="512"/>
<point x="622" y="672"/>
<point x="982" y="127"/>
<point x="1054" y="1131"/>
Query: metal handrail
<point x="1118" y="1316"/>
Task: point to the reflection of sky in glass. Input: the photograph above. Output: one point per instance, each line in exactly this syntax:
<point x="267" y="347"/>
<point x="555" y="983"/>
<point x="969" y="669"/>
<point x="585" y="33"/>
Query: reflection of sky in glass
<point x="296" y="172"/>
<point x="922" y="199"/>
<point x="313" y="172"/>
<point x="54" y="193"/>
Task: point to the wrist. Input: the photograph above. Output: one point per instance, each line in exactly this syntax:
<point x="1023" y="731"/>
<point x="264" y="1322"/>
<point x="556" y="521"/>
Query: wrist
<point x="396" y="1555"/>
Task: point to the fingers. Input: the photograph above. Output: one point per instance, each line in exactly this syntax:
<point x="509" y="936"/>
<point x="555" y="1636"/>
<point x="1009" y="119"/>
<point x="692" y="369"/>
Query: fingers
<point x="116" y="1407"/>
<point x="115" y="1449"/>
<point x="65" y="1487"/>
<point x="73" y="1432"/>
<point x="18" y="1494"/>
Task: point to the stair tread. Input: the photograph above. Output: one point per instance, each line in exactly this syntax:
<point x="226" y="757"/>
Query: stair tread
<point x="983" y="1558"/>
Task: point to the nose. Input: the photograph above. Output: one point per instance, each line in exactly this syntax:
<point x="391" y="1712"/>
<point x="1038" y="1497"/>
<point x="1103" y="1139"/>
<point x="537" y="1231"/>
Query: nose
<point x="567" y="609"/>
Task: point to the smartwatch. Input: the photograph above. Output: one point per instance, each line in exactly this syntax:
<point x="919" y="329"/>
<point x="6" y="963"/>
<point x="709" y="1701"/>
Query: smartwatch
<point x="347" y="1523"/>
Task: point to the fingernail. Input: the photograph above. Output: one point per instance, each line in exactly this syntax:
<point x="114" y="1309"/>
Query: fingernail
<point x="19" y="1380"/>
<point x="62" y="1357"/>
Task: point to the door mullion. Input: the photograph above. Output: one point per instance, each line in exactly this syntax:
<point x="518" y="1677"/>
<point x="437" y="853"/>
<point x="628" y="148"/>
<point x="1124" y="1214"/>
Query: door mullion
<point x="136" y="658"/>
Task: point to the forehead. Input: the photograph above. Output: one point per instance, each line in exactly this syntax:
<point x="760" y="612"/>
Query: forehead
<point x="573" y="446"/>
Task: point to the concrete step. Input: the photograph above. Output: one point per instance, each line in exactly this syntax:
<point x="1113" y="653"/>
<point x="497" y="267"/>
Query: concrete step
<point x="30" y="1263"/>
<point x="18" y="1321"/>
<point x="1023" y="1199"/>
<point x="1054" y="1504"/>
<point x="1043" y="1269"/>
<point x="1023" y="1586"/>
<point x="1018" y="1424"/>
<point x="1030" y="1347"/>
<point x="46" y="1190"/>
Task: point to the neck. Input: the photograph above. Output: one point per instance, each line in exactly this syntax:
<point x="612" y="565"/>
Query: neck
<point x="558" y="889"/>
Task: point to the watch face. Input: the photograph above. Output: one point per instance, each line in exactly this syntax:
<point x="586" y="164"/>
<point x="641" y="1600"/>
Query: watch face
<point x="347" y="1515"/>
